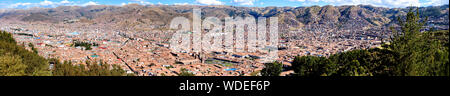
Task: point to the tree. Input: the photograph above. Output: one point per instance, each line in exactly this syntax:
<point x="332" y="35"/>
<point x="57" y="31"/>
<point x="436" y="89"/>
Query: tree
<point x="32" y="48"/>
<point x="355" y="69"/>
<point x="6" y="37"/>
<point x="313" y="66"/>
<point x="12" y="66"/>
<point x="86" y="45"/>
<point x="185" y="72"/>
<point x="411" y="52"/>
<point x="91" y="69"/>
<point x="419" y="53"/>
<point x="35" y="64"/>
<point x="272" y="69"/>
<point x="17" y="61"/>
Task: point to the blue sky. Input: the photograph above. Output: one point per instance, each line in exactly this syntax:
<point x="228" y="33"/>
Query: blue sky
<point x="21" y="4"/>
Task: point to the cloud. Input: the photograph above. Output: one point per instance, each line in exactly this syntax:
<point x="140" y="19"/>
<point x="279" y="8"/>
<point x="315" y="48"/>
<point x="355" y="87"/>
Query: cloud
<point x="66" y="2"/>
<point x="210" y="2"/>
<point x="145" y="3"/>
<point x="181" y="4"/>
<point x="142" y="2"/>
<point x="435" y="2"/>
<point x="123" y="4"/>
<point x="90" y="3"/>
<point x="244" y="2"/>
<point x="380" y="3"/>
<point x="44" y="4"/>
<point x="20" y="5"/>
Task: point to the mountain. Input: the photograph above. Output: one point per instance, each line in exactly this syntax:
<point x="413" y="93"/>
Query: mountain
<point x="291" y="18"/>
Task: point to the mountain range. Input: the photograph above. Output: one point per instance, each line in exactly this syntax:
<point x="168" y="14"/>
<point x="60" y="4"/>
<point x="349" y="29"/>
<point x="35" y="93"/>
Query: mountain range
<point x="290" y="18"/>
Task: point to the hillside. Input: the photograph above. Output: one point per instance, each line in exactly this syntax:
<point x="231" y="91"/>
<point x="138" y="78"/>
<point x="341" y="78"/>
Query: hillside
<point x="347" y="17"/>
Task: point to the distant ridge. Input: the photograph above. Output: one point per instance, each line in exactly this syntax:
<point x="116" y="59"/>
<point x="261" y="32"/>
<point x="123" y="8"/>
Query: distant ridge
<point x="347" y="16"/>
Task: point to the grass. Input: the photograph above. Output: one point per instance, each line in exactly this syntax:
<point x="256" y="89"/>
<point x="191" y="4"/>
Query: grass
<point x="223" y="63"/>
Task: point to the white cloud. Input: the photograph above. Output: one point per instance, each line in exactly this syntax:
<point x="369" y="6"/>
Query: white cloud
<point x="210" y="2"/>
<point x="381" y="3"/>
<point x="90" y="3"/>
<point x="244" y="2"/>
<point x="435" y="2"/>
<point x="66" y="2"/>
<point x="44" y="4"/>
<point x="142" y="2"/>
<point x="180" y="3"/>
<point x="145" y="3"/>
<point x="20" y="4"/>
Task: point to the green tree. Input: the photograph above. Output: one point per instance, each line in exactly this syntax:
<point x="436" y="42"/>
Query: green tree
<point x="313" y="66"/>
<point x="35" y="64"/>
<point x="12" y="66"/>
<point x="6" y="37"/>
<point x="419" y="53"/>
<point x="91" y="69"/>
<point x="355" y="69"/>
<point x="86" y="45"/>
<point x="272" y="69"/>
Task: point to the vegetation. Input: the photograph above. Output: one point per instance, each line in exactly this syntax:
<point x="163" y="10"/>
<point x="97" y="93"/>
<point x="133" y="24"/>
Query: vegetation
<point x="272" y="69"/>
<point x="418" y="53"/>
<point x="90" y="69"/>
<point x="32" y="48"/>
<point x="86" y="45"/>
<point x="373" y="62"/>
<point x="12" y="66"/>
<point x="168" y="67"/>
<point x="17" y="61"/>
<point x="410" y="53"/>
<point x="431" y="12"/>
<point x="255" y="73"/>
<point x="312" y="66"/>
<point x="185" y="72"/>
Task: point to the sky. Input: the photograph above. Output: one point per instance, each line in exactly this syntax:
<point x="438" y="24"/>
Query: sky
<point x="23" y="4"/>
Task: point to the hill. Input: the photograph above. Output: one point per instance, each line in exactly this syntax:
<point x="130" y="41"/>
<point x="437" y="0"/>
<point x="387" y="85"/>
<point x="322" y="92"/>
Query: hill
<point x="360" y="16"/>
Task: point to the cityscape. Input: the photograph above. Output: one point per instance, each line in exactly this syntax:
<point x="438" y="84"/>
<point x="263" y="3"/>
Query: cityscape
<point x="137" y="37"/>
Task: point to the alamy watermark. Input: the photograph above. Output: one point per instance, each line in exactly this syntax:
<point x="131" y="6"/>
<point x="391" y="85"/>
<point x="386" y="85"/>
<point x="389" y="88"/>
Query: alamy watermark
<point x="236" y="34"/>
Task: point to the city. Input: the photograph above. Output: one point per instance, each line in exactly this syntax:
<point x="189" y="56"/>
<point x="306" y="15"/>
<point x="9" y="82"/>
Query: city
<point x="141" y="46"/>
